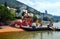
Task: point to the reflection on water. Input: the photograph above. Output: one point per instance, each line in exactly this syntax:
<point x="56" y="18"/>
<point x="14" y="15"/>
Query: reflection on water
<point x="31" y="35"/>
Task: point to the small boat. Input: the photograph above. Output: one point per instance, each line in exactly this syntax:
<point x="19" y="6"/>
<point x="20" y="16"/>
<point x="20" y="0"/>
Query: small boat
<point x="36" y="29"/>
<point x="40" y="29"/>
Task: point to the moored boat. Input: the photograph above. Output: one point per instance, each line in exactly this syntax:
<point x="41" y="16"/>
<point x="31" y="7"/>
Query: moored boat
<point x="36" y="29"/>
<point x="40" y="29"/>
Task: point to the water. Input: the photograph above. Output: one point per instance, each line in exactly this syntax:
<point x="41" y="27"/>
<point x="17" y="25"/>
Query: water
<point x="32" y="35"/>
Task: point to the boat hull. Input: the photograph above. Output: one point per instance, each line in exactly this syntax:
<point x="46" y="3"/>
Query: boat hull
<point x="40" y="29"/>
<point x="36" y="29"/>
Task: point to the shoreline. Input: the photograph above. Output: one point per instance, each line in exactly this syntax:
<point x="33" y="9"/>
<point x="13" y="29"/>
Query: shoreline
<point x="8" y="29"/>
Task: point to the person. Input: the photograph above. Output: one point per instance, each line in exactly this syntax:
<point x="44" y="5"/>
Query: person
<point x="41" y="24"/>
<point x="51" y="25"/>
<point x="34" y="25"/>
<point x="38" y="26"/>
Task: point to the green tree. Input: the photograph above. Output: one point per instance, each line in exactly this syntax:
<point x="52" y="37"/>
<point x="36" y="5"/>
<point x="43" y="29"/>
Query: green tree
<point x="18" y="10"/>
<point x="34" y="18"/>
<point x="5" y="14"/>
<point x="5" y="4"/>
<point x="23" y="13"/>
<point x="46" y="19"/>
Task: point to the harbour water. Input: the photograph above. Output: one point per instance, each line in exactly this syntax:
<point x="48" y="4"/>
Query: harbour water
<point x="33" y="34"/>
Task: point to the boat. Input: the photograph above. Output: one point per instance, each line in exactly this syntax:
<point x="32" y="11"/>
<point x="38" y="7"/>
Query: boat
<point x="36" y="29"/>
<point x="40" y="29"/>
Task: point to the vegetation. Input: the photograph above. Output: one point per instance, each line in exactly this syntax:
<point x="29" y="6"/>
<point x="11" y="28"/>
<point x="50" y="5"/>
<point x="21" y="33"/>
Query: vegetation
<point x="18" y="17"/>
<point x="55" y="20"/>
<point x="34" y="18"/>
<point x="18" y="10"/>
<point x="49" y="19"/>
<point x="5" y="4"/>
<point x="6" y="14"/>
<point x="23" y="13"/>
<point x="46" y="19"/>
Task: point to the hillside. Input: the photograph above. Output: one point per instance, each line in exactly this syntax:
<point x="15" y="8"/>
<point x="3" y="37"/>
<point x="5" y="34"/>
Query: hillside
<point x="14" y="4"/>
<point x="57" y="17"/>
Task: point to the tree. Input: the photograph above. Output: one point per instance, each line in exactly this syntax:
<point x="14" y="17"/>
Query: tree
<point x="5" y="4"/>
<point x="23" y="13"/>
<point x="5" y="14"/>
<point x="46" y="19"/>
<point x="18" y="10"/>
<point x="34" y="18"/>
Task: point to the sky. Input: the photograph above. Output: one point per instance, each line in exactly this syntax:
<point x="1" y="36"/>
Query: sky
<point x="52" y="6"/>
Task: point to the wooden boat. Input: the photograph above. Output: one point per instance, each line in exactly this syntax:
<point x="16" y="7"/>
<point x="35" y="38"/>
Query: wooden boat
<point x="36" y="29"/>
<point x="40" y="29"/>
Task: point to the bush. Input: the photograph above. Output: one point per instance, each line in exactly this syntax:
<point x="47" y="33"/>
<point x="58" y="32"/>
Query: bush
<point x="6" y="14"/>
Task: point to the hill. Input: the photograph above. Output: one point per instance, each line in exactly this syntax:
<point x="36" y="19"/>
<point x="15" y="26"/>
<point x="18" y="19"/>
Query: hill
<point x="15" y="3"/>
